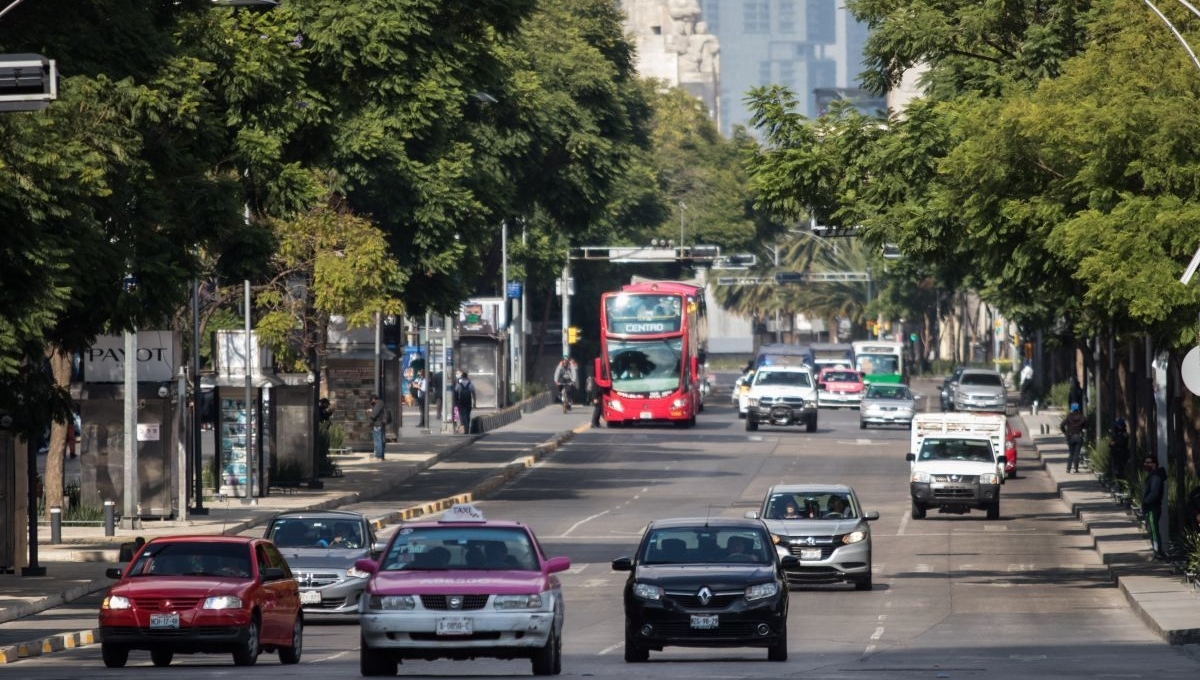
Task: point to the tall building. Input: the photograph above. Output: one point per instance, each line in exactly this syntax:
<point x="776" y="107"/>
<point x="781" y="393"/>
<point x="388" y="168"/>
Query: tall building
<point x="813" y="47"/>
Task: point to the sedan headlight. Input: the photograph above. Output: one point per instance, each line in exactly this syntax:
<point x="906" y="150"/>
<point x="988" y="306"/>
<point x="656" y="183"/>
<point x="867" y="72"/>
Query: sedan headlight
<point x="989" y="478"/>
<point x="679" y="403"/>
<point x="354" y="572"/>
<point x="919" y="477"/>
<point x="116" y="602"/>
<point x="518" y="601"/>
<point x="222" y="602"/>
<point x="752" y="402"/>
<point x="646" y="591"/>
<point x="616" y="405"/>
<point x="779" y="540"/>
<point x="393" y="603"/>
<point x="854" y="537"/>
<point x="762" y="590"/>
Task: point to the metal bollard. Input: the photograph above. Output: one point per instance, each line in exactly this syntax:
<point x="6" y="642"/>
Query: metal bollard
<point x="55" y="525"/>
<point x="110" y="518"/>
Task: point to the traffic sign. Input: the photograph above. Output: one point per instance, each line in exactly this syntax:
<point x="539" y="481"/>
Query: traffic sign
<point x="28" y="82"/>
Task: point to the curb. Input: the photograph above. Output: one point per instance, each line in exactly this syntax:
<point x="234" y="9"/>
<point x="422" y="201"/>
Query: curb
<point x="61" y="641"/>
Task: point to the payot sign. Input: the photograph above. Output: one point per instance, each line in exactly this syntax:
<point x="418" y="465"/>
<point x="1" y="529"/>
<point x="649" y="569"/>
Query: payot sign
<point x="157" y="357"/>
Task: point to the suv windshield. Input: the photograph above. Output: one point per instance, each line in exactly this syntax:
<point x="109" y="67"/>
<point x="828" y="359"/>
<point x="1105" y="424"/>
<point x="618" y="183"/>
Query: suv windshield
<point x="791" y="378"/>
<point x="689" y="545"/>
<point x="993" y="379"/>
<point x="316" y="532"/>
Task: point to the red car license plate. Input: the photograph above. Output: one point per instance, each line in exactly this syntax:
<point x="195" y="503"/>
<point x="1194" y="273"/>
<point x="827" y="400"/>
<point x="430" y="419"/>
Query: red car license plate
<point x="164" y="620"/>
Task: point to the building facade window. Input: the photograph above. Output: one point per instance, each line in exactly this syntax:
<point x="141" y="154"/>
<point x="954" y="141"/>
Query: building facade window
<point x="710" y="14"/>
<point x="756" y="17"/>
<point x="787" y="17"/>
<point x="765" y="77"/>
<point x="820" y="20"/>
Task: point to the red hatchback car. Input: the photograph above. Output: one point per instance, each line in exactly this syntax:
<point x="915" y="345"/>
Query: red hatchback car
<point x="202" y="595"/>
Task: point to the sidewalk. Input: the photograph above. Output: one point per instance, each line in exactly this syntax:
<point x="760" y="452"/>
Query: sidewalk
<point x="1154" y="589"/>
<point x="75" y="567"/>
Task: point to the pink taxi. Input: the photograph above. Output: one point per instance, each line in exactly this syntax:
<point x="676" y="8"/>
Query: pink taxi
<point x="839" y="387"/>
<point x="463" y="587"/>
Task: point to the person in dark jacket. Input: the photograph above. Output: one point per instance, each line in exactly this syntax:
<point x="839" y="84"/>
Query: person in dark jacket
<point x="1074" y="427"/>
<point x="1118" y="447"/>
<point x="593" y="395"/>
<point x="1152" y="499"/>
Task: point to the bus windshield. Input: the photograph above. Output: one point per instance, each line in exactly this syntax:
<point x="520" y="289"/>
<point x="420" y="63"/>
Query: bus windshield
<point x="872" y="364"/>
<point x="645" y="366"/>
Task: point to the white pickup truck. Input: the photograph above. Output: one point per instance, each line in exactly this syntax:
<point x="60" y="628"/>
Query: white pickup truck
<point x="956" y="463"/>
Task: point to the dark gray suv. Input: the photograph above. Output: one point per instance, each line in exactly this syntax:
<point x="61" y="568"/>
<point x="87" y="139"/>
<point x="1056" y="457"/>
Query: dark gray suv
<point x="321" y="548"/>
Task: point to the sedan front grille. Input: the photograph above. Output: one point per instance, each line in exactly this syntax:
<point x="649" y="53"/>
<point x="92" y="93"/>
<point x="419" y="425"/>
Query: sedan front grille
<point x="438" y="602"/>
<point x="317" y="579"/>
<point x="691" y="601"/>
<point x="165" y="604"/>
<point x="956" y="479"/>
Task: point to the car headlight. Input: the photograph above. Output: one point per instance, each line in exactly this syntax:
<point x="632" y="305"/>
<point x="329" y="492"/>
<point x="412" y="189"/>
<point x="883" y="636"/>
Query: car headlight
<point x="989" y="478"/>
<point x="779" y="540"/>
<point x="392" y="603"/>
<point x="616" y="405"/>
<point x="761" y="591"/>
<point x="518" y="601"/>
<point x="679" y="403"/>
<point x="354" y="572"/>
<point x="116" y="602"/>
<point x="646" y="591"/>
<point x="921" y="477"/>
<point x="222" y="602"/>
<point x="854" y="537"/>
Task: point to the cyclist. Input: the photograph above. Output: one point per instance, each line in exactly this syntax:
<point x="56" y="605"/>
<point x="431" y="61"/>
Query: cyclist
<point x="564" y="377"/>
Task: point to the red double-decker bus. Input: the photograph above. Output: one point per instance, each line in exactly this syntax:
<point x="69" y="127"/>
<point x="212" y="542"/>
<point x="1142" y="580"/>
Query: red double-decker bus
<point x="653" y="338"/>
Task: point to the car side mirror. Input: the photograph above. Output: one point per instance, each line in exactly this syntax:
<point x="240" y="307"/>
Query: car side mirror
<point x="910" y="457"/>
<point x="789" y="561"/>
<point x="872" y="515"/>
<point x="369" y="566"/>
<point x="556" y="564"/>
<point x="751" y="514"/>
<point x="272" y="574"/>
<point x="113" y="572"/>
<point x="623" y="564"/>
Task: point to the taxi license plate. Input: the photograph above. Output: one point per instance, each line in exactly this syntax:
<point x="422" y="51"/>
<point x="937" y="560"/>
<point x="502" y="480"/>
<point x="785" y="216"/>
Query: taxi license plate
<point x="310" y="597"/>
<point x="704" y="622"/>
<point x="810" y="554"/>
<point x="646" y="415"/>
<point x="453" y="626"/>
<point x="164" y="620"/>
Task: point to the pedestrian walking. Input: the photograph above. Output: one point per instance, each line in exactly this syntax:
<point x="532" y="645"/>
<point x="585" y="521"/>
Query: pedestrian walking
<point x="379" y="418"/>
<point x="1026" y="383"/>
<point x="593" y="395"/>
<point x="1074" y="427"/>
<point x="1152" y="499"/>
<point x="421" y="395"/>
<point x="464" y="401"/>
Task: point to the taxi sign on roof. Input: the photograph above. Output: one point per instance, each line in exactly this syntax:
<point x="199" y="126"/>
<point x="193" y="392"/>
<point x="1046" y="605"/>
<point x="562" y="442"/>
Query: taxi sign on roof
<point x="463" y="512"/>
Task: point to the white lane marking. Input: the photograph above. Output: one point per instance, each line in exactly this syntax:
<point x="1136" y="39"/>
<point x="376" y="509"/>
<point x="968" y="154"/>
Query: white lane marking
<point x="877" y="634"/>
<point x="613" y="648"/>
<point x="581" y="522"/>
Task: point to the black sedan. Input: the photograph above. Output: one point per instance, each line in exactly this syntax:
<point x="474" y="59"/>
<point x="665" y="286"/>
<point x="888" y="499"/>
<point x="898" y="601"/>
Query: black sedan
<point x="705" y="582"/>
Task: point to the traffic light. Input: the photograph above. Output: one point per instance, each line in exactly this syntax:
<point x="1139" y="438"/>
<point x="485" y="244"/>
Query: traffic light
<point x="572" y="335"/>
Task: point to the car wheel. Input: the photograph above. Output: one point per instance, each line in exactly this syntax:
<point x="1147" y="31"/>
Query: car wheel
<point x="865" y="582"/>
<point x="751" y="425"/>
<point x="248" y="654"/>
<point x="291" y="655"/>
<point x="812" y="424"/>
<point x="993" y="510"/>
<point x="778" y="651"/>
<point x="918" y="510"/>
<point x="114" y="656"/>
<point x="372" y="663"/>
<point x="161" y="657"/>
<point x="548" y="659"/>
<point x="635" y="653"/>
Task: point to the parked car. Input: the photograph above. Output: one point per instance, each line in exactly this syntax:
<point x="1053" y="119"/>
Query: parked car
<point x="887" y="404"/>
<point x="321" y="548"/>
<point x="202" y="594"/>
<point x="705" y="582"/>
<point x="979" y="389"/>
<point x="837" y="387"/>
<point x="825" y="527"/>
<point x="462" y="587"/>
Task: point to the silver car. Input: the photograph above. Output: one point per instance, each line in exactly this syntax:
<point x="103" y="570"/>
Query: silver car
<point x="825" y="527"/>
<point x="320" y="548"/>
<point x="886" y="404"/>
<point x="979" y="389"/>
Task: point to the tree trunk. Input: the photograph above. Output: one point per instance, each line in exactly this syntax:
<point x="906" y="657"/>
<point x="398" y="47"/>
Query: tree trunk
<point x="52" y="480"/>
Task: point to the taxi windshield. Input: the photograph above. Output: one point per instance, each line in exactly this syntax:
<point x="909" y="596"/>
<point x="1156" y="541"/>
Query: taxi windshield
<point x="475" y="548"/>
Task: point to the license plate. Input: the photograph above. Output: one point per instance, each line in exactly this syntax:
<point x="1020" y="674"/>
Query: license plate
<point x="810" y="554"/>
<point x="453" y="626"/>
<point x="164" y="620"/>
<point x="310" y="597"/>
<point x="704" y="622"/>
<point x="646" y="415"/>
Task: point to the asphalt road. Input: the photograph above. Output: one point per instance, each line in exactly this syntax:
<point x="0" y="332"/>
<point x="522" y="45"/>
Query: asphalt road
<point x="955" y="596"/>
